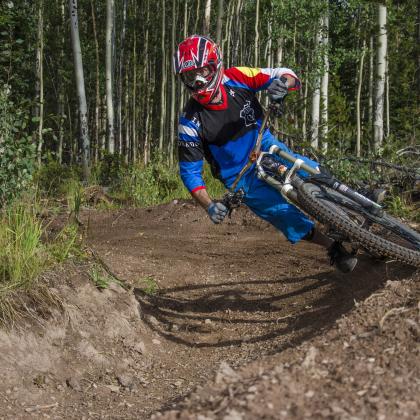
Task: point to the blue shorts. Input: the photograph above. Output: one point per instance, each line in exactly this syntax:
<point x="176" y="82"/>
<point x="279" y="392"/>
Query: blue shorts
<point x="269" y="204"/>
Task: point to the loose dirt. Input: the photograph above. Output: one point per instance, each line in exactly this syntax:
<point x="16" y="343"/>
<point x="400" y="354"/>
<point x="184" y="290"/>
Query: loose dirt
<point x="226" y="321"/>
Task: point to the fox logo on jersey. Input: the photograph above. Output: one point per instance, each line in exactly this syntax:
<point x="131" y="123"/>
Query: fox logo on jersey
<point x="248" y="114"/>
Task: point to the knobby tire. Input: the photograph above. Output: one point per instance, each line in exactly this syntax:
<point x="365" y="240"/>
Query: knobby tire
<point x="316" y="203"/>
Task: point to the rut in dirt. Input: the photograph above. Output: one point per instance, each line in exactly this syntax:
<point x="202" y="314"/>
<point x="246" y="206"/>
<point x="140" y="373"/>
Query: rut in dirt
<point x="232" y="292"/>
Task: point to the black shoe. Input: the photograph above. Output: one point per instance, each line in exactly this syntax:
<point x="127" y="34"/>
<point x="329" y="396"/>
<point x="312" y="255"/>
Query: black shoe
<point x="339" y="257"/>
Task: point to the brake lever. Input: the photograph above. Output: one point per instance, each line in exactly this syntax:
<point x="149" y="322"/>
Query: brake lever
<point x="277" y="109"/>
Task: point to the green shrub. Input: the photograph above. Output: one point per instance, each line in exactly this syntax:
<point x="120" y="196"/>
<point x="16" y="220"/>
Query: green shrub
<point x="17" y="152"/>
<point x="158" y="183"/>
<point x="110" y="169"/>
<point x="52" y="178"/>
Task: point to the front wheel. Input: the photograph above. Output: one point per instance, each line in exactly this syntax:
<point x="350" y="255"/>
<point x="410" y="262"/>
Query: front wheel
<point x="384" y="236"/>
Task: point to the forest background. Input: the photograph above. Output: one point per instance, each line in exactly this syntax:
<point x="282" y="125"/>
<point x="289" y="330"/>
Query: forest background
<point x="90" y="83"/>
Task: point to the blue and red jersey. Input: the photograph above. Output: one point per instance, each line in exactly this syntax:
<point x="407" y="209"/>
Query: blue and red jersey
<point x="224" y="134"/>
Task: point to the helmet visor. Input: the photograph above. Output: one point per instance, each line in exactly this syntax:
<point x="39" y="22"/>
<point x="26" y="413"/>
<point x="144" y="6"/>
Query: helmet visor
<point x="198" y="78"/>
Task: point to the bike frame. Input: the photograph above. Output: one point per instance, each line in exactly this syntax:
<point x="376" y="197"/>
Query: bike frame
<point x="291" y="181"/>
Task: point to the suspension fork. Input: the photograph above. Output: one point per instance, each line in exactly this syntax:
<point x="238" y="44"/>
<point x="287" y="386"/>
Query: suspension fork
<point x="329" y="181"/>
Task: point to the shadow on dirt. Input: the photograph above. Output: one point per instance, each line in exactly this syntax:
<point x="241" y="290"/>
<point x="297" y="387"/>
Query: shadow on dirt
<point x="284" y="311"/>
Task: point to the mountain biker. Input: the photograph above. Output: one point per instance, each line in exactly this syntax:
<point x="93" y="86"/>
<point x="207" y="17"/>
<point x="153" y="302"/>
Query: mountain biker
<point x="220" y="123"/>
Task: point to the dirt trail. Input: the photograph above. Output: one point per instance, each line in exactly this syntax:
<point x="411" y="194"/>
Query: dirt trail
<point x="235" y="294"/>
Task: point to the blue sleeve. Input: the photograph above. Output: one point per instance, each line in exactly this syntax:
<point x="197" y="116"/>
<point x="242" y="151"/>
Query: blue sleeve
<point x="191" y="155"/>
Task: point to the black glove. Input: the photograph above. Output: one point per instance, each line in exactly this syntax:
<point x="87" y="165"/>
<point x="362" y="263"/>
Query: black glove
<point x="278" y="90"/>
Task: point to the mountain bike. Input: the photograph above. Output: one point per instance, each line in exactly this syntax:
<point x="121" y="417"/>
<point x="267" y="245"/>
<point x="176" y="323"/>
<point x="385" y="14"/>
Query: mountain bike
<point x="347" y="215"/>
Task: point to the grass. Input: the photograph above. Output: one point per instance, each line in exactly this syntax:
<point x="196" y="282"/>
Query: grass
<point x="149" y="285"/>
<point x="136" y="184"/>
<point x="24" y="256"/>
<point x="400" y="206"/>
<point x="102" y="280"/>
<point x="158" y="183"/>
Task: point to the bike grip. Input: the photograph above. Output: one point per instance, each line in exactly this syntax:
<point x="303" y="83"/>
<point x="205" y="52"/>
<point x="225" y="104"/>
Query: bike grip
<point x="284" y="79"/>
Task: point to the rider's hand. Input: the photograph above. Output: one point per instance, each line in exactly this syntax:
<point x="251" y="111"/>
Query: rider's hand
<point x="217" y="212"/>
<point x="278" y="90"/>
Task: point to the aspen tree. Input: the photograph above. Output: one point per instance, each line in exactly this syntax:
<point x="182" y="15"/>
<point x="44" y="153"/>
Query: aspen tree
<point x="98" y="145"/>
<point x="39" y="88"/>
<point x="120" y="75"/>
<point x="378" y="125"/>
<point x="110" y="41"/>
<point x="207" y="16"/>
<point x="197" y="16"/>
<point x="147" y="89"/>
<point x="371" y="81"/>
<point x="184" y="36"/>
<point x="134" y="143"/>
<point x="257" y="34"/>
<point x="61" y="84"/>
<point x="359" y="92"/>
<point x="219" y="22"/>
<point x="305" y="106"/>
<point x="163" y="85"/>
<point x="324" y="81"/>
<point x="316" y="99"/>
<point x="80" y="84"/>
<point x="227" y="38"/>
<point x="173" y="91"/>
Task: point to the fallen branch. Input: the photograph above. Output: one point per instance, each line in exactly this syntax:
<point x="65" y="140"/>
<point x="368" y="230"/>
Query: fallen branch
<point x="40" y="407"/>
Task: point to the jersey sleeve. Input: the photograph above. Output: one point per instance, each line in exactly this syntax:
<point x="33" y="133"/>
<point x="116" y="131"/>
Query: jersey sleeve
<point x="191" y="154"/>
<point x="257" y="79"/>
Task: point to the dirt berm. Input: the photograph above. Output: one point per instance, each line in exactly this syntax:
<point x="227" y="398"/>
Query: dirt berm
<point x="215" y="322"/>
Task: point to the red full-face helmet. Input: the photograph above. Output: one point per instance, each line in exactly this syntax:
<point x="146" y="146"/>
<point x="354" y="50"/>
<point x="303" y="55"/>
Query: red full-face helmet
<point x="199" y="62"/>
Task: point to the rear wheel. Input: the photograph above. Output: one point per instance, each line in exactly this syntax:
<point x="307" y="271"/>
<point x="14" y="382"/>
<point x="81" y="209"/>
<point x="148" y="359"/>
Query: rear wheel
<point x="384" y="236"/>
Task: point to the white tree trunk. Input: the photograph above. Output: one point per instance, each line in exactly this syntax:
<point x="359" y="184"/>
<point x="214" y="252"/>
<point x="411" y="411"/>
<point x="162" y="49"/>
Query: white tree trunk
<point x="324" y="83"/>
<point x="316" y="96"/>
<point x="219" y="22"/>
<point x="257" y="34"/>
<point x="146" y="90"/>
<point x="80" y="83"/>
<point x="184" y="92"/>
<point x="61" y="86"/>
<point x="305" y="106"/>
<point x="163" y="85"/>
<point x="378" y="125"/>
<point x="207" y="15"/>
<point x="388" y="123"/>
<point x="134" y="143"/>
<point x="40" y="80"/>
<point x="228" y="35"/>
<point x="110" y="7"/>
<point x="98" y="146"/>
<point x="279" y="52"/>
<point x="359" y="91"/>
<point x="371" y="70"/>
<point x="121" y="76"/>
<point x="173" y="92"/>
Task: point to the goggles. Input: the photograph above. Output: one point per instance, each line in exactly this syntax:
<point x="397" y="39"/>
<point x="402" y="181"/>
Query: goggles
<point x="198" y="78"/>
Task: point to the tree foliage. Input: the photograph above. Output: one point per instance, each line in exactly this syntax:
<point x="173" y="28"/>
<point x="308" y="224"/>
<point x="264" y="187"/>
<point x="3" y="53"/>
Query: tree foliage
<point x="142" y="69"/>
<point x="17" y="152"/>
